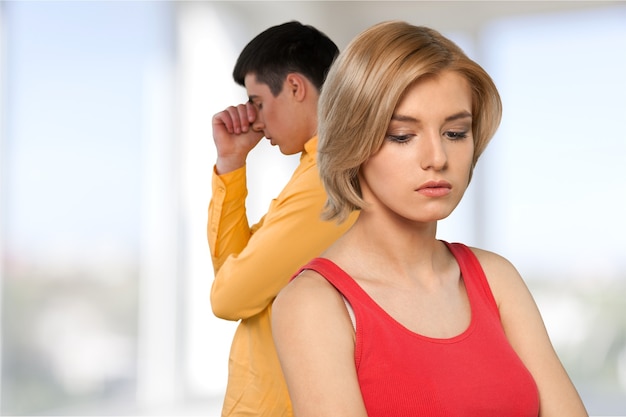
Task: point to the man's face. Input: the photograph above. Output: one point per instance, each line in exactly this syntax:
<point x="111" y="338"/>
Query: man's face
<point x="277" y="116"/>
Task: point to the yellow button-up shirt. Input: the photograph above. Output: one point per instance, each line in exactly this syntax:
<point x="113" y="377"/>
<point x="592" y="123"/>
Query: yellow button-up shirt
<point x="252" y="264"/>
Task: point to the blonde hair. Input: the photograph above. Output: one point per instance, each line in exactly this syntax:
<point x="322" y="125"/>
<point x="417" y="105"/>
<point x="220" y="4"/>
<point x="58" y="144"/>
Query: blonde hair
<point x="364" y="87"/>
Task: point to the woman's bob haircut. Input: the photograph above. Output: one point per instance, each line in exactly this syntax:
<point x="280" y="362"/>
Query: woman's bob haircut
<point x="362" y="90"/>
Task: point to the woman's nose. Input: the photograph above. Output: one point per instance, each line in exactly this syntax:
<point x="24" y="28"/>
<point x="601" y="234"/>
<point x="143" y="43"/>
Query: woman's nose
<point x="433" y="153"/>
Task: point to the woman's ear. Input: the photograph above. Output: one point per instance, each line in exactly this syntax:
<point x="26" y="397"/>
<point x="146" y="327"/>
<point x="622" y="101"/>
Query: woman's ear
<point x="296" y="85"/>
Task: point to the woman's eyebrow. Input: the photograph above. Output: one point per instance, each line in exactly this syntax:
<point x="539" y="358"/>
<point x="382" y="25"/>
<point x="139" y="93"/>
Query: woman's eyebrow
<point x="404" y="118"/>
<point x="459" y="115"/>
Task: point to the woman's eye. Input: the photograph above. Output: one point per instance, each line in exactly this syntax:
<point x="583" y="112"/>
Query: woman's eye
<point x="456" y="135"/>
<point x="399" y="138"/>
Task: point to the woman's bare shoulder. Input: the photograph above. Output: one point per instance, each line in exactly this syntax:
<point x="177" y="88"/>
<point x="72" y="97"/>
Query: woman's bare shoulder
<point x="495" y="264"/>
<point x="502" y="276"/>
<point x="308" y="291"/>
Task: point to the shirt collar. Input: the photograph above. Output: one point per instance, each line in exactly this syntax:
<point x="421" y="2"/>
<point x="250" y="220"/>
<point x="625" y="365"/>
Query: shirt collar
<point x="310" y="147"/>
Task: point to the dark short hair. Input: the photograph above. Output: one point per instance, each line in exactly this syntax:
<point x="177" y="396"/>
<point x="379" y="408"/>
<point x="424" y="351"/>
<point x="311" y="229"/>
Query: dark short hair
<point x="283" y="49"/>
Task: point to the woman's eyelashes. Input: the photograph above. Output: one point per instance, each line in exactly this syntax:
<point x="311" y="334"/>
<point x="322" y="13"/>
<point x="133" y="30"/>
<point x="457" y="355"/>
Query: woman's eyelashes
<point x="453" y="135"/>
<point x="405" y="138"/>
<point x="399" y="138"/>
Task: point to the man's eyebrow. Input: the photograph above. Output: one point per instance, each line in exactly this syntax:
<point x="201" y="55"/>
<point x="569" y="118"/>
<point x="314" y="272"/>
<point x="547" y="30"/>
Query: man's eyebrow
<point x="456" y="116"/>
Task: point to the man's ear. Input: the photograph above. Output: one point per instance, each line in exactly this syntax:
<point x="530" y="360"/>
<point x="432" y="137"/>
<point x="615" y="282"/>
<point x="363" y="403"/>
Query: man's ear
<point x="296" y="84"/>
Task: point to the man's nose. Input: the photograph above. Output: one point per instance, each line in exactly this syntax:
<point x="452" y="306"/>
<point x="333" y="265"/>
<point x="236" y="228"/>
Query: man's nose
<point x="258" y="125"/>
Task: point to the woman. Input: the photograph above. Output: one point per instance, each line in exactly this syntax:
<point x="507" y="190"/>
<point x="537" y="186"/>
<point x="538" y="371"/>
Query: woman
<point x="391" y="321"/>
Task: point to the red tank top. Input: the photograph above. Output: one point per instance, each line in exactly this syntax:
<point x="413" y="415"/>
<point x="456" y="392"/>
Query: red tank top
<point x="401" y="373"/>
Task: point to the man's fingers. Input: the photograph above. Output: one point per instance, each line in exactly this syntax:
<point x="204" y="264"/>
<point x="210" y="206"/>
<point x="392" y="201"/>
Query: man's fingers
<point x="240" y="124"/>
<point x="236" y="119"/>
<point x="251" y="110"/>
<point x="225" y="118"/>
<point x="243" y="112"/>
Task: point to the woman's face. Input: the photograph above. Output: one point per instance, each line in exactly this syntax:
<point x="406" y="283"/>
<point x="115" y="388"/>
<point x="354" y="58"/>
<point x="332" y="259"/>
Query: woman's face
<point x="423" y="167"/>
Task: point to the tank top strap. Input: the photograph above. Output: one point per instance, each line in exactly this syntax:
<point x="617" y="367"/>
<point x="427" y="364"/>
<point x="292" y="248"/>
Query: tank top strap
<point x="473" y="274"/>
<point x="335" y="275"/>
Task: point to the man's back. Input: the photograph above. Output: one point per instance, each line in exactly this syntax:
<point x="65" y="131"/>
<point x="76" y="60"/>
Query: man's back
<point x="252" y="264"/>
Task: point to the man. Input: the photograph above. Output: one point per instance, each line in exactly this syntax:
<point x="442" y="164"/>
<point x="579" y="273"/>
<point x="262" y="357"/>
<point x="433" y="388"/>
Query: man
<point x="283" y="70"/>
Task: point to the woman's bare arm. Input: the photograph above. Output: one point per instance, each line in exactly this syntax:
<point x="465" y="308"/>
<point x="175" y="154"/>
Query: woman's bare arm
<point x="527" y="334"/>
<point x="315" y="343"/>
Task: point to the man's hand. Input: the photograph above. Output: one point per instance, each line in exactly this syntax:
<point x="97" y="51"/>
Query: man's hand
<point x="234" y="136"/>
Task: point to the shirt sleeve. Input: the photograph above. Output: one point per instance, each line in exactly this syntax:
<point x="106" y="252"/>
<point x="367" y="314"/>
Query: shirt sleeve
<point x="227" y="229"/>
<point x="253" y="264"/>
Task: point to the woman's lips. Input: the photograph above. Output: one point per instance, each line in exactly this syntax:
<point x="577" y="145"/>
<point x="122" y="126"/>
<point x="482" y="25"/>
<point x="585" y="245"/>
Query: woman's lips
<point x="435" y="188"/>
